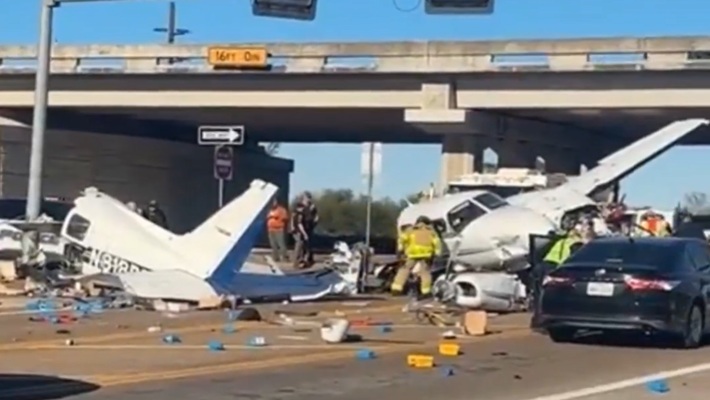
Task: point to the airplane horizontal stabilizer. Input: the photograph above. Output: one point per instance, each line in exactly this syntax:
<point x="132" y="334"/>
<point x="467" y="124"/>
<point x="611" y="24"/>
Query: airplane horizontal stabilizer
<point x="279" y="287"/>
<point x="627" y="160"/>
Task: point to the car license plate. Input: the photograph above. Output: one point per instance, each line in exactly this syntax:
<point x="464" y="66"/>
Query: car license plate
<point x="600" y="289"/>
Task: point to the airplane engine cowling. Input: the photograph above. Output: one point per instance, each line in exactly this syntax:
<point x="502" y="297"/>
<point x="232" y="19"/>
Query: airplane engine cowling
<point x="495" y="292"/>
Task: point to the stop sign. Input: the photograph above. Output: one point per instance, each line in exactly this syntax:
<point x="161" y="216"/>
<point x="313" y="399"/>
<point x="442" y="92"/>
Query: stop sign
<point x="223" y="163"/>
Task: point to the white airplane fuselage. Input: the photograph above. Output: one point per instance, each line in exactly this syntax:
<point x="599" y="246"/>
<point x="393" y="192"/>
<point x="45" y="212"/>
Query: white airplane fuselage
<point x="485" y="231"/>
<point x="488" y="238"/>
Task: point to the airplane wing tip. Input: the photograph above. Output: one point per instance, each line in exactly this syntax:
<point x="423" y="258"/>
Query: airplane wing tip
<point x="696" y="121"/>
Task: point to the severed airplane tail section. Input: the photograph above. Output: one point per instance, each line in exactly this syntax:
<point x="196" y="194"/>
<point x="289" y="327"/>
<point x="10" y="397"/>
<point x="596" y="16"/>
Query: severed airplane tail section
<point x="573" y="195"/>
<point x="221" y="245"/>
<point x="149" y="262"/>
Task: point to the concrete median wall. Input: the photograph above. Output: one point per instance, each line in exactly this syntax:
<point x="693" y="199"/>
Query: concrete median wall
<point x="178" y="175"/>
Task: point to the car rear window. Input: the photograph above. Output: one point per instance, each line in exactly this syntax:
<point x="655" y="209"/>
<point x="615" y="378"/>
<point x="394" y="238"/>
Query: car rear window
<point x="657" y="255"/>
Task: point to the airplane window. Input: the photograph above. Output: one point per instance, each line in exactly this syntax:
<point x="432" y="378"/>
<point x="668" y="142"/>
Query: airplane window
<point x="463" y="214"/>
<point x="490" y="201"/>
<point x="78" y="227"/>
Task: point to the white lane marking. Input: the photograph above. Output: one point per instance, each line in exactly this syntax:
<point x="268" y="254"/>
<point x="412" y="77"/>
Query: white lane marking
<point x="626" y="383"/>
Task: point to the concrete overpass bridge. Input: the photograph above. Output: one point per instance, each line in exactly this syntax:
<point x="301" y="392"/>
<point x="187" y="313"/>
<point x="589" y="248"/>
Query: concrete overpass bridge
<point x="569" y="101"/>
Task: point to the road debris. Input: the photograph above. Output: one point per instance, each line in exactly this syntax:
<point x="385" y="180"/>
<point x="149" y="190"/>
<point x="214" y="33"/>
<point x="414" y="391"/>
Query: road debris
<point x="365" y="354"/>
<point x="335" y="330"/>
<point x="215" y="345"/>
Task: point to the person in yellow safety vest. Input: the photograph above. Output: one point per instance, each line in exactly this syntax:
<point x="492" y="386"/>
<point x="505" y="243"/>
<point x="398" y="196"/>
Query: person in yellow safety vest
<point x="558" y="253"/>
<point x="419" y="245"/>
<point x="562" y="249"/>
<point x="404" y="232"/>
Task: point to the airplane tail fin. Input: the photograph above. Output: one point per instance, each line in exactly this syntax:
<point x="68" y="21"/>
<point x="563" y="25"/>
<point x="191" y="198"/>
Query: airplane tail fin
<point x="625" y="161"/>
<point x="219" y="247"/>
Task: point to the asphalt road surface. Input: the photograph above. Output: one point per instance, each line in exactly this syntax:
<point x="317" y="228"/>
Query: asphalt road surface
<point x="522" y="368"/>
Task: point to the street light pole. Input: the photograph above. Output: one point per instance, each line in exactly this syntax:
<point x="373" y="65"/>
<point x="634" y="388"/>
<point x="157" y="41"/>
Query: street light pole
<point x="39" y="115"/>
<point x="171" y="30"/>
<point x="171" y="22"/>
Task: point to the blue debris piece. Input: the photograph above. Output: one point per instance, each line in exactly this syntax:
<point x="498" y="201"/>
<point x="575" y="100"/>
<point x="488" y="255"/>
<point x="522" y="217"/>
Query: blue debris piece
<point x="41" y="305"/>
<point x="384" y="329"/>
<point x="171" y="339"/>
<point x="229" y="329"/>
<point x="365" y="354"/>
<point x="215" y="345"/>
<point x="95" y="306"/>
<point x="657" y="386"/>
<point x="53" y="319"/>
<point x="447" y="371"/>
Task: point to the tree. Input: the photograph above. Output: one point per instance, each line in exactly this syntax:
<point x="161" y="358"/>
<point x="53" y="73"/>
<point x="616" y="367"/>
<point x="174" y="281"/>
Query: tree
<point x="696" y="201"/>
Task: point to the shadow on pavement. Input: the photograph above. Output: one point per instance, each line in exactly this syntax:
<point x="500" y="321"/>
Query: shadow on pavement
<point x="41" y="387"/>
<point x="631" y="340"/>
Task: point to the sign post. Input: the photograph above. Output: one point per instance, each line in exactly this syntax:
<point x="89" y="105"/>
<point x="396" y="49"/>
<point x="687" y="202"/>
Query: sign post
<point x="223" y="169"/>
<point x="223" y="138"/>
<point x="370" y="167"/>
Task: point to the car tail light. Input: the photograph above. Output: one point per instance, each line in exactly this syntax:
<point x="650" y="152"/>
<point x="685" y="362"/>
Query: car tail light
<point x="555" y="281"/>
<point x="636" y="284"/>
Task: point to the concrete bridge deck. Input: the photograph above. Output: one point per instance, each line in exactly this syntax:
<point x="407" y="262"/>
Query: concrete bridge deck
<point x="599" y="54"/>
<point x="565" y="96"/>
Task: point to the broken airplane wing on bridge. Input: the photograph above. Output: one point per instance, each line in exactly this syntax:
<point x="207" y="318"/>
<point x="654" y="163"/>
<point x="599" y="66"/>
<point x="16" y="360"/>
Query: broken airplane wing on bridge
<point x="120" y="248"/>
<point x="573" y="195"/>
<point x="624" y="162"/>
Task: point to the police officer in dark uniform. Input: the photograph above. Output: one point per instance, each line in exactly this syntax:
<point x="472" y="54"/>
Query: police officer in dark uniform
<point x="156" y="215"/>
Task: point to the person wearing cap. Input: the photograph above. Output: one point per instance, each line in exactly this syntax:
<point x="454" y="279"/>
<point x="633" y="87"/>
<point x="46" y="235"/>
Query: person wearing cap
<point x="419" y="245"/>
<point x="156" y="215"/>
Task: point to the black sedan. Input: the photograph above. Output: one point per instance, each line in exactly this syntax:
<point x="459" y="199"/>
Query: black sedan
<point x="655" y="285"/>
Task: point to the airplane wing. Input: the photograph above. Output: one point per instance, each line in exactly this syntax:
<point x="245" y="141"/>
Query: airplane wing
<point x="181" y="285"/>
<point x="627" y="160"/>
<point x="163" y="284"/>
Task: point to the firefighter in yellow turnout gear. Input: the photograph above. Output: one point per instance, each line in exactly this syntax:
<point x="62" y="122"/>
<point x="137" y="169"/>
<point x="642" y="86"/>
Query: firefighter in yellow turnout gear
<point x="419" y="245"/>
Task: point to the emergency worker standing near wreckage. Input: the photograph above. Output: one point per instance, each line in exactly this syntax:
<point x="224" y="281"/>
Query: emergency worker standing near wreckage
<point x="419" y="245"/>
<point x="560" y="251"/>
<point x="276" y="225"/>
<point x="304" y="219"/>
<point x="156" y="215"/>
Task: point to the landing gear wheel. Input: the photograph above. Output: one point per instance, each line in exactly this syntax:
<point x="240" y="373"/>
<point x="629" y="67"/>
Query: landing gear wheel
<point x="694" y="327"/>
<point x="561" y="335"/>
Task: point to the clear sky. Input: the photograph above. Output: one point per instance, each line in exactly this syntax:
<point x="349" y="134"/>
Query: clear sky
<point x="132" y="21"/>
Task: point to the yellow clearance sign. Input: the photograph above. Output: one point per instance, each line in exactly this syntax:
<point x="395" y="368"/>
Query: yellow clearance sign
<point x="238" y="57"/>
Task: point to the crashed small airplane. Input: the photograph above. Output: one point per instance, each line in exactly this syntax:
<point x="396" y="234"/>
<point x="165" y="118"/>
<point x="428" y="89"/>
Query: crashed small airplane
<point x="118" y="248"/>
<point x="488" y="234"/>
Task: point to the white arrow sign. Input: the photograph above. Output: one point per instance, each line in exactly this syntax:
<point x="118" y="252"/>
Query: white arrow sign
<point x="220" y="135"/>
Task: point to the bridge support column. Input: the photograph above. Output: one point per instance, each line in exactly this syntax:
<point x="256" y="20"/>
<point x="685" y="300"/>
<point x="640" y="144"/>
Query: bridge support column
<point x="460" y="155"/>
